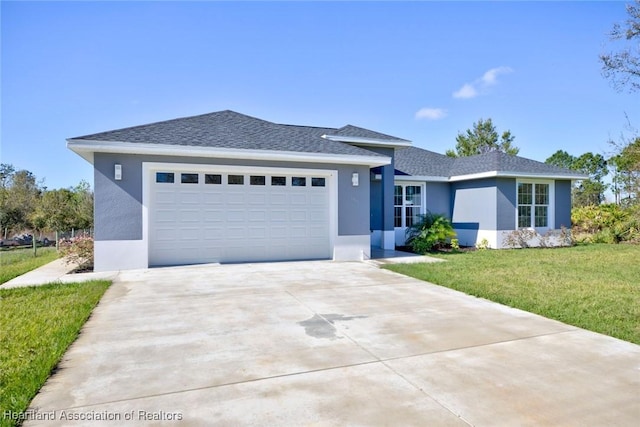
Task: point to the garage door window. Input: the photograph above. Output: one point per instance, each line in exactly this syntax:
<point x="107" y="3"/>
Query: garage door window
<point x="189" y="178"/>
<point x="164" y="177"/>
<point x="317" y="182"/>
<point x="235" y="180"/>
<point x="257" y="180"/>
<point x="212" y="179"/>
<point x="299" y="181"/>
<point x="279" y="181"/>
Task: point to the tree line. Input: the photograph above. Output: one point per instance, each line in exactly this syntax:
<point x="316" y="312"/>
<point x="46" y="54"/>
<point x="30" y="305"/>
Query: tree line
<point x="27" y="204"/>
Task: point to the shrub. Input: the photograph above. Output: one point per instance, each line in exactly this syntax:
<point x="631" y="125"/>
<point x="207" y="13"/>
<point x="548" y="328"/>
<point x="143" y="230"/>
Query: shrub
<point x="483" y="245"/>
<point x="430" y="232"/>
<point x="78" y="250"/>
<point x="608" y="223"/>
<point x="455" y="245"/>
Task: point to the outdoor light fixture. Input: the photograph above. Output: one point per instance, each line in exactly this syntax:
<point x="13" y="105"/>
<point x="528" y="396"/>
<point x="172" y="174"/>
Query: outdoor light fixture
<point x="354" y="179"/>
<point x="117" y="172"/>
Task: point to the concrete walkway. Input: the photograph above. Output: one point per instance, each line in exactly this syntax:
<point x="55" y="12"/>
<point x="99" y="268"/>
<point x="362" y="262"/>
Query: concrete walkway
<point x="329" y="344"/>
<point x="57" y="271"/>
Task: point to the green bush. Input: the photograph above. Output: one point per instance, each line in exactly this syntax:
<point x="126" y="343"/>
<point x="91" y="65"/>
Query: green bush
<point x="429" y="232"/>
<point x="608" y="223"/>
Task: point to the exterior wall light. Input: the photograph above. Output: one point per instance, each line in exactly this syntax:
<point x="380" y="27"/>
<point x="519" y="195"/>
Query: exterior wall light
<point x="117" y="172"/>
<point x="355" y="179"/>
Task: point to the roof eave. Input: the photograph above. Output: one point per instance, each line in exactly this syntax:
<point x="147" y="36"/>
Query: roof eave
<point x="369" y="142"/>
<point x="505" y="174"/>
<point x="86" y="149"/>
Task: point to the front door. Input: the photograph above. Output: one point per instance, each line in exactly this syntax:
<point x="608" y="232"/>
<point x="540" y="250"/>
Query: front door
<point x="408" y="204"/>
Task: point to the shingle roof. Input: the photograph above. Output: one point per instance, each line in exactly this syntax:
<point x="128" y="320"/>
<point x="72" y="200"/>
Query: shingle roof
<point x="228" y="129"/>
<point x="420" y="162"/>
<point x="358" y="132"/>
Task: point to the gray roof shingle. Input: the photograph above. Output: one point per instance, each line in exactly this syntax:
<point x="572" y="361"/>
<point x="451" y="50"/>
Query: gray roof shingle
<point x="228" y="129"/>
<point x="420" y="162"/>
<point x="358" y="132"/>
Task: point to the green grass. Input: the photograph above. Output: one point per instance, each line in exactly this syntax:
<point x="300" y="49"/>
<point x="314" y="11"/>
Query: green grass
<point x="595" y="287"/>
<point x="37" y="324"/>
<point x="19" y="261"/>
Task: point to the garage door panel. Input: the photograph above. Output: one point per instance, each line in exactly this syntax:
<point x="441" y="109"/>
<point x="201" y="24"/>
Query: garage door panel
<point x="220" y="222"/>
<point x="189" y="215"/>
<point x="213" y="215"/>
<point x="190" y="198"/>
<point x="298" y="215"/>
<point x="278" y="199"/>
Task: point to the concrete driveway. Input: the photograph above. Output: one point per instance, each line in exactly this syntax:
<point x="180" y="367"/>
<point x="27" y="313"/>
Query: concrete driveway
<point x="325" y="343"/>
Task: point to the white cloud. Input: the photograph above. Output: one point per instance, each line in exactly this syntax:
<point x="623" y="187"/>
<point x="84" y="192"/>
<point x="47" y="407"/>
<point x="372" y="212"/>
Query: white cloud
<point x="489" y="78"/>
<point x="480" y="86"/>
<point x="466" y="91"/>
<point x="431" y="113"/>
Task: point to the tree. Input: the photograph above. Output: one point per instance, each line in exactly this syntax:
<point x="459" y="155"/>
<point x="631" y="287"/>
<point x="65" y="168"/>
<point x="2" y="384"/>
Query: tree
<point x="626" y="178"/>
<point x="483" y="139"/>
<point x="561" y="159"/>
<point x="623" y="66"/>
<point x="19" y="194"/>
<point x="588" y="191"/>
<point x="56" y="211"/>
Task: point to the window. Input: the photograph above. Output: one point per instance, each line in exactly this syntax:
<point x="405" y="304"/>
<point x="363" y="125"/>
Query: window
<point x="407" y="201"/>
<point x="278" y="180"/>
<point x="533" y="204"/>
<point x="235" y="179"/>
<point x="317" y="182"/>
<point x="257" y="180"/>
<point x="165" y="177"/>
<point x="212" y="179"/>
<point x="299" y="181"/>
<point x="189" y="178"/>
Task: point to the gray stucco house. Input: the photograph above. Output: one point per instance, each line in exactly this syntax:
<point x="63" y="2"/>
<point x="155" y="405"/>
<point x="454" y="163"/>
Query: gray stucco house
<point x="226" y="187"/>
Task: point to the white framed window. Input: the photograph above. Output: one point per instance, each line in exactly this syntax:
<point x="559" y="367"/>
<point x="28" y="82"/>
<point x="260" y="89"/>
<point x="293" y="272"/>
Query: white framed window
<point x="535" y="204"/>
<point x="407" y="204"/>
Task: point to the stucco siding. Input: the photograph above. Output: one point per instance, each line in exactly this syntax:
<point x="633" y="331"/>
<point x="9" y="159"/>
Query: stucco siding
<point x="506" y="203"/>
<point x="437" y="196"/>
<point x="118" y="204"/>
<point x="474" y="203"/>
<point x="563" y="204"/>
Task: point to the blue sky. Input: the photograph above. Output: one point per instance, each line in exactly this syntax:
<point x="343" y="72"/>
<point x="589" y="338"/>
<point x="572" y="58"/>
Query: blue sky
<point x="423" y="71"/>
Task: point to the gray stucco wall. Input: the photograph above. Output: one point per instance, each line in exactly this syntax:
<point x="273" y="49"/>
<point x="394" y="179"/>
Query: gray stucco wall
<point x="563" y="204"/>
<point x="382" y="202"/>
<point x="118" y="204"/>
<point x="506" y="203"/>
<point x="438" y="195"/>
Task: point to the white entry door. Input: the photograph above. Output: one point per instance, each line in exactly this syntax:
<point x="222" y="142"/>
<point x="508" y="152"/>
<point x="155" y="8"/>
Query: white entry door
<point x="226" y="215"/>
<point x="408" y="204"/>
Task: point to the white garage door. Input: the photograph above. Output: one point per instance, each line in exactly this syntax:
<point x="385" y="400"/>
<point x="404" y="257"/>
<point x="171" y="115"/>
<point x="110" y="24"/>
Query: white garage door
<point x="234" y="216"/>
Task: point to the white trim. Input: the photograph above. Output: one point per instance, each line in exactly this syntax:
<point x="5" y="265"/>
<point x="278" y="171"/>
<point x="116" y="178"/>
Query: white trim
<point x="388" y="239"/>
<point x="422" y="178"/>
<point x="514" y="175"/>
<point x="113" y="255"/>
<point x="374" y="142"/>
<point x="148" y="167"/>
<point x="86" y="148"/>
<point x="352" y="248"/>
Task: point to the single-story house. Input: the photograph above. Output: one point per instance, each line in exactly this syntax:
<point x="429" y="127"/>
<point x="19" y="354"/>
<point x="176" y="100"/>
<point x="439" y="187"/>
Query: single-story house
<point x="226" y="187"/>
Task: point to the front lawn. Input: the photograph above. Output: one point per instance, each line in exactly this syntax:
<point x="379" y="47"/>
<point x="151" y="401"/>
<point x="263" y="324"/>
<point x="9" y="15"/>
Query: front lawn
<point x="37" y="324"/>
<point x="595" y="287"/>
<point x="16" y="262"/>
